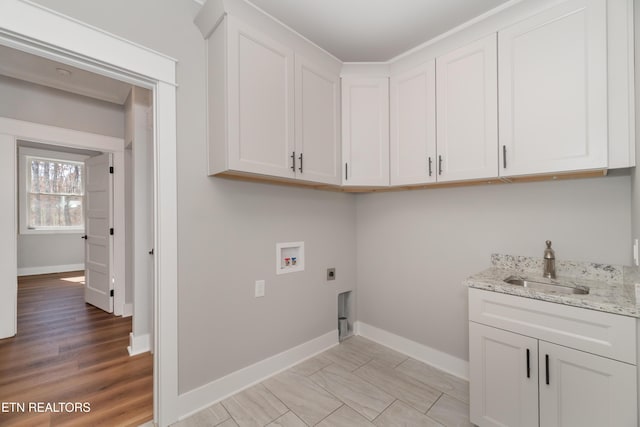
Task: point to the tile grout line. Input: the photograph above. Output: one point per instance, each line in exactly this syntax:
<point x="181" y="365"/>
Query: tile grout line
<point x="382" y="412"/>
<point x="434" y="403"/>
<point x="332" y="412"/>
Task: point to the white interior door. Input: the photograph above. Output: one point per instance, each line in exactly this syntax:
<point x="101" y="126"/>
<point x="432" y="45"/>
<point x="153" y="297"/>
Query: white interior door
<point x="98" y="212"/>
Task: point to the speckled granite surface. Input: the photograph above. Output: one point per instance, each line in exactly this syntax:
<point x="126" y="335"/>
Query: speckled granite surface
<point x="612" y="288"/>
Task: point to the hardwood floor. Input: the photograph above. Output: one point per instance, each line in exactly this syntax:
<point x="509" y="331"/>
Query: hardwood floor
<point x="67" y="351"/>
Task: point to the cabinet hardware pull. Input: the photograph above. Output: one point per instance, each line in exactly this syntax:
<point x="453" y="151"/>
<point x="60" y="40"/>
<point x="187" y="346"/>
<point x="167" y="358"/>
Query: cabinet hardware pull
<point x="439" y="165"/>
<point x="430" y="165"/>
<point x="346" y="171"/>
<point x="504" y="156"/>
<point x="546" y="364"/>
<point x="293" y="159"/>
<point x="300" y="158"/>
<point x="528" y="366"/>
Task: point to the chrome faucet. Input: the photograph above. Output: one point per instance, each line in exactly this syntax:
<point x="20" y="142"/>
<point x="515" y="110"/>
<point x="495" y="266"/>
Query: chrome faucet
<point x="549" y="261"/>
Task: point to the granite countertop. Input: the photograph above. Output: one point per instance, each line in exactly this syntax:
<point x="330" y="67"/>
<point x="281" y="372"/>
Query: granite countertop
<point x="612" y="288"/>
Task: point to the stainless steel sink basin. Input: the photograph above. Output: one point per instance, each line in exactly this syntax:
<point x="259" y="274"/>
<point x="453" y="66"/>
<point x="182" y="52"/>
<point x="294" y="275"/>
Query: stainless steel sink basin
<point x="549" y="286"/>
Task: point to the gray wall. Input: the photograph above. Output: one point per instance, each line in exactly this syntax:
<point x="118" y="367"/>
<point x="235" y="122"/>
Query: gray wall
<point x="227" y="231"/>
<point x="43" y="250"/>
<point x="40" y="104"/>
<point x="415" y="248"/>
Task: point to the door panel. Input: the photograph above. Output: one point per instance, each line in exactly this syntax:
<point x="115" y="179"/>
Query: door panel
<point x="98" y="199"/>
<point x="317" y="123"/>
<point x="553" y="90"/>
<point x="261" y="102"/>
<point x="467" y="112"/>
<point x="413" y="126"/>
<point x="503" y="392"/>
<point x="585" y="390"/>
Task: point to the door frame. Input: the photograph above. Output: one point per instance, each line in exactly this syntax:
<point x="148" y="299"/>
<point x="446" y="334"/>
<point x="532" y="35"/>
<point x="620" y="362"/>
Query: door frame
<point x="52" y="135"/>
<point x="40" y="31"/>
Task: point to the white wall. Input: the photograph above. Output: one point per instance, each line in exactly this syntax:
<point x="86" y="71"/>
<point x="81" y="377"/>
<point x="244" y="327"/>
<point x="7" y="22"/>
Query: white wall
<point x="415" y="248"/>
<point x="40" y="104"/>
<point x="227" y="231"/>
<point x="40" y="253"/>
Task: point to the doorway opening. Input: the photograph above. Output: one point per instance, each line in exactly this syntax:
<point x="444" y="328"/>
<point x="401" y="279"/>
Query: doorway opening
<point x="72" y="42"/>
<point x="109" y="239"/>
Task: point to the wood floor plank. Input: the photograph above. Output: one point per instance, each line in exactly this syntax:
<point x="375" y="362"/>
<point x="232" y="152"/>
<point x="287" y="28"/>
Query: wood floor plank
<point x="69" y="351"/>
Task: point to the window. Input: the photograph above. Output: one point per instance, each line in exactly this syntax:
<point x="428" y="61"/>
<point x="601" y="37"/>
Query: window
<point x="52" y="192"/>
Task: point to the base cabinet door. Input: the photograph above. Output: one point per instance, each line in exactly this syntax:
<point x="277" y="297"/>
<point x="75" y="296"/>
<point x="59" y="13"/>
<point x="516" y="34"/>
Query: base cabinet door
<point x="582" y="389"/>
<point x="503" y="377"/>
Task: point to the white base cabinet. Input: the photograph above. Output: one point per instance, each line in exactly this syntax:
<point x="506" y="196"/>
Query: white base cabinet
<point x="517" y="378"/>
<point x="503" y="379"/>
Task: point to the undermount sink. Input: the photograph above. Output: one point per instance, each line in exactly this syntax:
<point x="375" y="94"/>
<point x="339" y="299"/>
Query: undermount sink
<point x="548" y="285"/>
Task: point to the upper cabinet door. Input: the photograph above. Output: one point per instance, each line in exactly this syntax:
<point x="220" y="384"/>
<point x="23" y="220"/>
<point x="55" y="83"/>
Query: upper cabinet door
<point x="261" y="102"/>
<point x="467" y="112"/>
<point x="317" y="123"/>
<point x="553" y="90"/>
<point x="365" y="131"/>
<point x="413" y="126"/>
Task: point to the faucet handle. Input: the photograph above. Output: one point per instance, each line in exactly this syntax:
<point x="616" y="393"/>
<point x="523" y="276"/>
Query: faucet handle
<point x="548" y="242"/>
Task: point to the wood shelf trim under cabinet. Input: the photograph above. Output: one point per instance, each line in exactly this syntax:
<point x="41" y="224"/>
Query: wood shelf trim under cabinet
<point x="248" y="177"/>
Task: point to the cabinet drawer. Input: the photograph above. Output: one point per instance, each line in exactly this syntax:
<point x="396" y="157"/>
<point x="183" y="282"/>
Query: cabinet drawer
<point x="605" y="334"/>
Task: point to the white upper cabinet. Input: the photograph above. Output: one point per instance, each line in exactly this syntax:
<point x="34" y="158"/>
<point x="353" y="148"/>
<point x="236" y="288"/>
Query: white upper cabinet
<point x="317" y="124"/>
<point x="467" y="112"/>
<point x="413" y="126"/>
<point x="261" y="102"/>
<point x="365" y="131"/>
<point x="553" y="90"/>
<point x="274" y="111"/>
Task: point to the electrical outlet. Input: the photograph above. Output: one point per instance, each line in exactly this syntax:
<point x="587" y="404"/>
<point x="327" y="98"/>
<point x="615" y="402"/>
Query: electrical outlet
<point x="259" y="288"/>
<point x="331" y="274"/>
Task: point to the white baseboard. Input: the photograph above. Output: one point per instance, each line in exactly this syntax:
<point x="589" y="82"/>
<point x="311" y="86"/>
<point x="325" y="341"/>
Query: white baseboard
<point x="421" y="352"/>
<point x="127" y="310"/>
<point x="198" y="399"/>
<point x="138" y="344"/>
<point x="48" y="269"/>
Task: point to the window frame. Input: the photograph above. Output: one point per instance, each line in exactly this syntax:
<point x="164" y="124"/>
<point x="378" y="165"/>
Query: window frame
<point x="24" y="153"/>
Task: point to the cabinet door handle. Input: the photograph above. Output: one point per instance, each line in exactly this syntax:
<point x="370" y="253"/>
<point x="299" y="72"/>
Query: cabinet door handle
<point x="293" y="159"/>
<point x="504" y="156"/>
<point x="546" y="365"/>
<point x="528" y="365"/>
<point x="430" y="165"/>
<point x="439" y="165"/>
<point x="346" y="171"/>
<point x="300" y="158"/>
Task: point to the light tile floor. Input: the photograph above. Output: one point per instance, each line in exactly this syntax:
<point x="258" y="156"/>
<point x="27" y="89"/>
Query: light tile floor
<point x="357" y="383"/>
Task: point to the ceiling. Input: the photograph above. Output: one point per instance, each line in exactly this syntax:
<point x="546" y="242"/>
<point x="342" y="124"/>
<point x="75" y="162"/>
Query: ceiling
<point x="35" y="69"/>
<point x="373" y="30"/>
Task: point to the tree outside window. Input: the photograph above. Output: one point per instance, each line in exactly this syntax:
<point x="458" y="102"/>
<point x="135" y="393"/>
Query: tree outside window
<point x="54" y="194"/>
